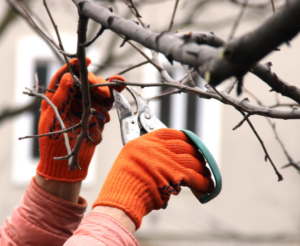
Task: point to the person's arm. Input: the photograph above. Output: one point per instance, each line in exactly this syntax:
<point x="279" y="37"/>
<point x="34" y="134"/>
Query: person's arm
<point x="117" y="214"/>
<point x="66" y="191"/>
<point x="51" y="208"/>
<point x="41" y="219"/>
<point x="104" y="226"/>
<point x="147" y="171"/>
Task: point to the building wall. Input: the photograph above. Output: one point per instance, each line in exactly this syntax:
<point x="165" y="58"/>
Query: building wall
<point x="253" y="208"/>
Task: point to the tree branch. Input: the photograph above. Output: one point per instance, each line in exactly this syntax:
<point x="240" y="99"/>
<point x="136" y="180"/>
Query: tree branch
<point x="288" y="156"/>
<point x="173" y="15"/>
<point x="131" y="67"/>
<point x="18" y="7"/>
<point x="52" y="133"/>
<point x="246" y="117"/>
<point x="243" y="104"/>
<point x="86" y="98"/>
<point x="33" y="93"/>
<point x="260" y="70"/>
<point x="238" y="20"/>
<point x="216" y="64"/>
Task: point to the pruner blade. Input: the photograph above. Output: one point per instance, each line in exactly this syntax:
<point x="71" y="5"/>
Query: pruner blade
<point x="141" y="102"/>
<point x="135" y="125"/>
<point x="130" y="128"/>
<point x="122" y="106"/>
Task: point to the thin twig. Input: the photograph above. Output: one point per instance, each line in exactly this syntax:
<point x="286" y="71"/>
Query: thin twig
<point x="131" y="67"/>
<point x="290" y="159"/>
<point x="165" y="94"/>
<point x="238" y="20"/>
<point x="36" y="83"/>
<point x="243" y="105"/>
<point x="52" y="133"/>
<point x="110" y="55"/>
<point x="43" y="88"/>
<point x="293" y="164"/>
<point x="99" y="33"/>
<point x="288" y="156"/>
<point x="241" y="122"/>
<point x="16" y="7"/>
<point x="33" y="93"/>
<point x="190" y="79"/>
<point x="36" y="26"/>
<point x="280" y="177"/>
<point x="273" y="6"/>
<point x="67" y="157"/>
<point x="67" y="54"/>
<point x="134" y="10"/>
<point x="173" y="15"/>
<point x="120" y="82"/>
<point x="163" y="72"/>
<point x="290" y="105"/>
<point x="142" y="53"/>
<point x="58" y="37"/>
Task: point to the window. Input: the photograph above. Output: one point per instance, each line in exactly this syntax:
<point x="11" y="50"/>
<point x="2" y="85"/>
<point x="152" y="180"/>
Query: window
<point x="33" y="55"/>
<point x="185" y="111"/>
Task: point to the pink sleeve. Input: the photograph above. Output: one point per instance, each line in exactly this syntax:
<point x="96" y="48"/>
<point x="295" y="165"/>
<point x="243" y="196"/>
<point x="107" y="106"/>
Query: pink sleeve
<point x="101" y="230"/>
<point x="41" y="219"/>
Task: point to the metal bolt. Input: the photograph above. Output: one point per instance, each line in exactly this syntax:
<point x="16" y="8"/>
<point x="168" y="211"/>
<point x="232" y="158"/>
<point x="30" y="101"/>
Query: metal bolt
<point x="151" y="127"/>
<point x="148" y="116"/>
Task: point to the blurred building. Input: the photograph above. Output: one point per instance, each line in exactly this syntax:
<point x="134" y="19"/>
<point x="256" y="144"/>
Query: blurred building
<point x="252" y="209"/>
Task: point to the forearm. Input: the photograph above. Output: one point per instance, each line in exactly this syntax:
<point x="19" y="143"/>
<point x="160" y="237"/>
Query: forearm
<point x="70" y="192"/>
<point x="64" y="190"/>
<point x="118" y="215"/>
<point x="100" y="229"/>
<point x="42" y="219"/>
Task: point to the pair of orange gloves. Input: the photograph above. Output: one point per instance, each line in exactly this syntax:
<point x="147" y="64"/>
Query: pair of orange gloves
<point x="148" y="169"/>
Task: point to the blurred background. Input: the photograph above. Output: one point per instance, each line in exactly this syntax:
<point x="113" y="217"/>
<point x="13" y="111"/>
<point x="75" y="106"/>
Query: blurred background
<point x="253" y="207"/>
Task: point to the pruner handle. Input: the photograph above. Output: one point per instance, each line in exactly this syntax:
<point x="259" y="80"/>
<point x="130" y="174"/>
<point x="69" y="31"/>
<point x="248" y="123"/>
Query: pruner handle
<point x="204" y="198"/>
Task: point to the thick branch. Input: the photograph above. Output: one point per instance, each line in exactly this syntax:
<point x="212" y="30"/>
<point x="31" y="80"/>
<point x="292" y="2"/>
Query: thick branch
<point x="86" y="98"/>
<point x="217" y="64"/>
<point x="260" y="70"/>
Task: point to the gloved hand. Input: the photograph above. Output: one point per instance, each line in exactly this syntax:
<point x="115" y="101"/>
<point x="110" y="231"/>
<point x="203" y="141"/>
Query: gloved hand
<point x="151" y="168"/>
<point x="68" y="101"/>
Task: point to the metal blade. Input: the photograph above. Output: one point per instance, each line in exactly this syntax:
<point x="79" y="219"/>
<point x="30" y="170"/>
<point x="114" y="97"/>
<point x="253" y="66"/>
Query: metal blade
<point x="141" y="103"/>
<point x="122" y="105"/>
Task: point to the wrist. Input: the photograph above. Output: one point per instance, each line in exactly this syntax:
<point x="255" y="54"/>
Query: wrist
<point x="118" y="215"/>
<point x="64" y="190"/>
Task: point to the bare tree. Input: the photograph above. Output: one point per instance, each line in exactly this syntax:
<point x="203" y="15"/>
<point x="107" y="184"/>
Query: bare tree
<point x="206" y="55"/>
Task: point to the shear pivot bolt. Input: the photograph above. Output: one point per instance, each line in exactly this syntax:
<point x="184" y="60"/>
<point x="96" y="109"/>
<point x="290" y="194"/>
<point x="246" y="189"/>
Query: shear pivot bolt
<point x="151" y="127"/>
<point x="148" y="116"/>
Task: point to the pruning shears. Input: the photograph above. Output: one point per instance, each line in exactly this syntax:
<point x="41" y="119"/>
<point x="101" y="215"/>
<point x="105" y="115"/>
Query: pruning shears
<point x="143" y="121"/>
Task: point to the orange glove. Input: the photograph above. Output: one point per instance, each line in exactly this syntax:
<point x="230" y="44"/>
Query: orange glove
<point x="151" y="168"/>
<point x="68" y="101"/>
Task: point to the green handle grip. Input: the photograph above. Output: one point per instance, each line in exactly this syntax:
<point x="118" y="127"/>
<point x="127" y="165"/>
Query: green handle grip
<point x="212" y="164"/>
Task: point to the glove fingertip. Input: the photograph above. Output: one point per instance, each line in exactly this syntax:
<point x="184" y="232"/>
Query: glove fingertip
<point x="88" y="61"/>
<point x="201" y="183"/>
<point x="117" y="77"/>
<point x="65" y="91"/>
